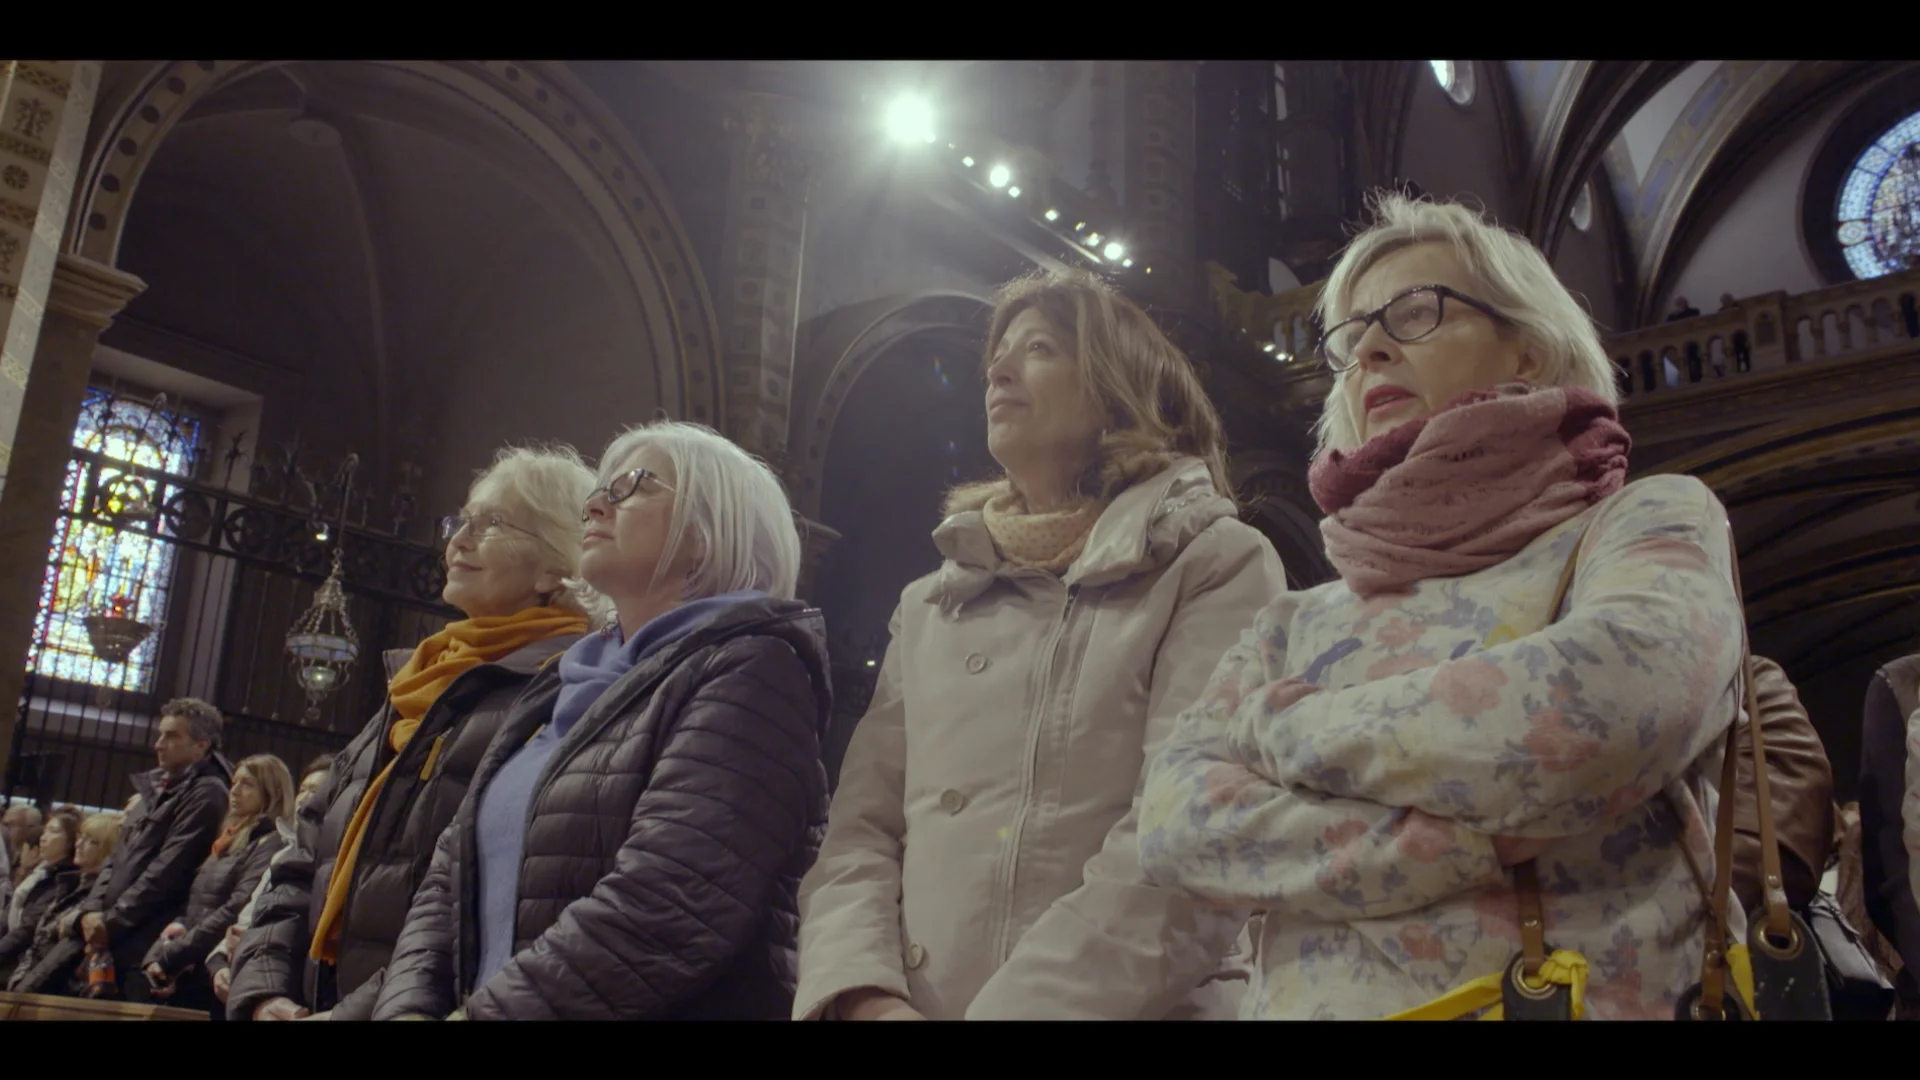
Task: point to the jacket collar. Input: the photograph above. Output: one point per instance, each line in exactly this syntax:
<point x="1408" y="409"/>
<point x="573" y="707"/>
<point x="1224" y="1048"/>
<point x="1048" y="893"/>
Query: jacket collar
<point x="1144" y="528"/>
<point x="148" y="783"/>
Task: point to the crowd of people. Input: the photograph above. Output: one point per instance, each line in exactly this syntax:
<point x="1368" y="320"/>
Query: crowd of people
<point x="1113" y="767"/>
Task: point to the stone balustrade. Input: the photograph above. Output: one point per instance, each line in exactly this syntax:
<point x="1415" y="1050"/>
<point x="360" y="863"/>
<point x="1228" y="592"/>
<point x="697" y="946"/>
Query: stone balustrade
<point x="1767" y="333"/>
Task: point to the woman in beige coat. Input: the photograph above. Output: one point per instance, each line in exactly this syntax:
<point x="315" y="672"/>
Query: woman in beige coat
<point x="980" y="858"/>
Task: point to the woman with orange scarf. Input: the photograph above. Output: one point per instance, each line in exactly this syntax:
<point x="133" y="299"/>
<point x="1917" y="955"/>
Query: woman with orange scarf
<point x="326" y="925"/>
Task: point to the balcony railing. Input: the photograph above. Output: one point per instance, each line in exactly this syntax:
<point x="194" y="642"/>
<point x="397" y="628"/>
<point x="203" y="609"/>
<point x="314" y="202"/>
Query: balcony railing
<point x="1767" y="333"/>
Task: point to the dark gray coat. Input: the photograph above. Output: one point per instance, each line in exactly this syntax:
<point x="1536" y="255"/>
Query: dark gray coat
<point x="144" y="883"/>
<point x="665" y="841"/>
<point x="221" y="887"/>
<point x="413" y="809"/>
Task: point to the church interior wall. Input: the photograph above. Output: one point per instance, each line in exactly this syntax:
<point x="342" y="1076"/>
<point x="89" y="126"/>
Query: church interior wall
<point x="1454" y="152"/>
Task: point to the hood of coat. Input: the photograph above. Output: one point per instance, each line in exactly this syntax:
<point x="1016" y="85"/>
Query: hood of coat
<point x="525" y="660"/>
<point x="799" y="624"/>
<point x="1143" y="529"/>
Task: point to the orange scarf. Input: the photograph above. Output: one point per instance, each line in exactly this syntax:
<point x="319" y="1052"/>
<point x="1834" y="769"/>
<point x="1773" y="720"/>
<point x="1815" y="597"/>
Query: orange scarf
<point x="439" y="660"/>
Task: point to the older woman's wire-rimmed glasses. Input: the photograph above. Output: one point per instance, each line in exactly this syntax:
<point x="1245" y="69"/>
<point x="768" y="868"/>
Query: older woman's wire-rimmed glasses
<point x="1407" y="317"/>
<point x="484" y="525"/>
<point x="621" y="488"/>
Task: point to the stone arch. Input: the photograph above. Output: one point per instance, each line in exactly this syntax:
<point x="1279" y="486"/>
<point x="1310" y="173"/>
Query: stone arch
<point x="854" y="339"/>
<point x="539" y="101"/>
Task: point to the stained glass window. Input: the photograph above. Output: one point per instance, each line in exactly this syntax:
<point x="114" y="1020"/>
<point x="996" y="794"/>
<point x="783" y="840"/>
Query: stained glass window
<point x="97" y="570"/>
<point x="1878" y="218"/>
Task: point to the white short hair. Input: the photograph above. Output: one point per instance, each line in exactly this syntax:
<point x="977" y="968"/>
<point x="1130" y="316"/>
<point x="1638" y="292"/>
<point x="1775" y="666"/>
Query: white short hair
<point x="729" y="500"/>
<point x="1509" y="273"/>
<point x="542" y="488"/>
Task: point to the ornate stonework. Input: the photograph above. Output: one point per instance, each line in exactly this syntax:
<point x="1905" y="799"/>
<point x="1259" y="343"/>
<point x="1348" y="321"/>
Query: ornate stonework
<point x="760" y="271"/>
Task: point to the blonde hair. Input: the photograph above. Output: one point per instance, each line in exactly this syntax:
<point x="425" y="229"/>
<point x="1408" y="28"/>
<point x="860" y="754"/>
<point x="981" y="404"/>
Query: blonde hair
<point x="1509" y="274"/>
<point x="276" y="786"/>
<point x="1153" y="403"/>
<point x="730" y="501"/>
<point x="103" y="829"/>
<point x="543" y="487"/>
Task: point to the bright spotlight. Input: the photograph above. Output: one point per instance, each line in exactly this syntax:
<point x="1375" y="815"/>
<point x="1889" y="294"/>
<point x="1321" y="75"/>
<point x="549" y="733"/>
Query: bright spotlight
<point x="1269" y="346"/>
<point x="1114" y="250"/>
<point x="1000" y="176"/>
<point x="1014" y="191"/>
<point x="1053" y="215"/>
<point x="1126" y="262"/>
<point x="1094" y="239"/>
<point x="967" y="161"/>
<point x="910" y="120"/>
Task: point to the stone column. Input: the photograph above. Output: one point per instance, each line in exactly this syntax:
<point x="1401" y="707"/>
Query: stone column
<point x="764" y="242"/>
<point x="44" y="108"/>
<point x="82" y="301"/>
<point x="816" y="540"/>
<point x="1159" y="180"/>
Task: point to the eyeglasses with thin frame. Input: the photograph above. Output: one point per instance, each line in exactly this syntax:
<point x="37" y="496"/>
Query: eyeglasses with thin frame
<point x="485" y="525"/>
<point x="1408" y="317"/>
<point x="621" y="488"/>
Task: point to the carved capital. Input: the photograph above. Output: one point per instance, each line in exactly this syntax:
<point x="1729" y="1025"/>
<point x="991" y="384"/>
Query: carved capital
<point x="91" y="292"/>
<point x="775" y="150"/>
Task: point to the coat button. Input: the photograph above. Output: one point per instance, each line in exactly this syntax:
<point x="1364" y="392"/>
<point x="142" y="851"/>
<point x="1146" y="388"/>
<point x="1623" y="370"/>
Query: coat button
<point x="951" y="801"/>
<point x="916" y="956"/>
<point x="976" y="663"/>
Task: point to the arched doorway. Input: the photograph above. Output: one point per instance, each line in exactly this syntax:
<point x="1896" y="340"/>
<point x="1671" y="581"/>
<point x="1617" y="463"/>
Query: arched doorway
<point x="910" y="425"/>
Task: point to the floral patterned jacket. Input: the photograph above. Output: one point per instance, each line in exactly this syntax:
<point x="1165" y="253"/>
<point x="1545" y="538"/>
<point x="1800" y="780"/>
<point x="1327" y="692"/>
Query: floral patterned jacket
<point x="1351" y="759"/>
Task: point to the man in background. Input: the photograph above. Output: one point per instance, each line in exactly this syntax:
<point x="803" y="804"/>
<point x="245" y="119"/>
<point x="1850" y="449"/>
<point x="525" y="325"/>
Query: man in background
<point x="144" y="884"/>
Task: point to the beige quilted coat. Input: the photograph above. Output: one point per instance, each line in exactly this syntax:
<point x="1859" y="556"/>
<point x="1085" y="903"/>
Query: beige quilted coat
<point x="981" y="858"/>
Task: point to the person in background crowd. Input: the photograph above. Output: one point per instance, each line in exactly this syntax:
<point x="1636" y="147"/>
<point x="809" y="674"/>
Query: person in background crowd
<point x="1376" y="754"/>
<point x="1727" y="302"/>
<point x="980" y="859"/>
<point x="15" y="826"/>
<point x="50" y="962"/>
<point x="325" y="929"/>
<point x="39" y="890"/>
<point x="1681" y="310"/>
<point x="219" y="962"/>
<point x="182" y="805"/>
<point x="259" y="803"/>
<point x="633" y="841"/>
<point x="1890" y="816"/>
<point x="28" y="859"/>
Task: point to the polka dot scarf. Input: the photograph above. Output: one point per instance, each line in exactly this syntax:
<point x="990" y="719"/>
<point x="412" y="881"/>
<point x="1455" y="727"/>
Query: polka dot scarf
<point x="1049" y="542"/>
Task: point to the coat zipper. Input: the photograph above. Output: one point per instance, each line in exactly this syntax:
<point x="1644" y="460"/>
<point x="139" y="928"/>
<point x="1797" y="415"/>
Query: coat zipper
<point x="1036" y="725"/>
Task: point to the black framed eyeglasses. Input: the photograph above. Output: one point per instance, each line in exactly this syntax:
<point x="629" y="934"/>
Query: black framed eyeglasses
<point x="1406" y="318"/>
<point x="484" y="525"/>
<point x="621" y="488"/>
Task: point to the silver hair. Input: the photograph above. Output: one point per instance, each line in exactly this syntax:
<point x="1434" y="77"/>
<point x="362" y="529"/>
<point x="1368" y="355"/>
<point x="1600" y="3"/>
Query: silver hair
<point x="1508" y="272"/>
<point x="203" y="720"/>
<point x="542" y="488"/>
<point x="729" y="502"/>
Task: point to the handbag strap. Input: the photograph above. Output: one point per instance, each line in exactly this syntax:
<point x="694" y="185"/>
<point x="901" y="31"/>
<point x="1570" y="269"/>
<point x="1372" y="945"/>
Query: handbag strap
<point x="1526" y="876"/>
<point x="1779" y="932"/>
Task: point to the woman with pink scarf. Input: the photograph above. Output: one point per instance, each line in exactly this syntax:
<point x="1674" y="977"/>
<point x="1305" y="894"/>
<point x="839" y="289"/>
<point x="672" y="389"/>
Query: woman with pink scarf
<point x="1381" y="758"/>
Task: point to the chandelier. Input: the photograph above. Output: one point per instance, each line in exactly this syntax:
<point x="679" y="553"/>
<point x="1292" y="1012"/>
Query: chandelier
<point x="323" y="644"/>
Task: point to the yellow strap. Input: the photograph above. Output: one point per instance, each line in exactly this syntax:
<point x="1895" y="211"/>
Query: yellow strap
<point x="1741" y="965"/>
<point x="1564" y="968"/>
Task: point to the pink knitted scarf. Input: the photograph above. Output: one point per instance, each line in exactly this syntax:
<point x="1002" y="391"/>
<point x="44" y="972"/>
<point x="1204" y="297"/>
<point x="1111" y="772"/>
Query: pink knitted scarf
<point x="1467" y="487"/>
